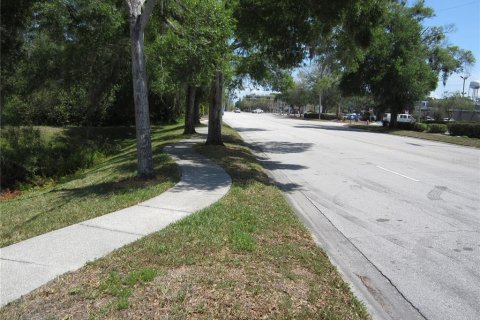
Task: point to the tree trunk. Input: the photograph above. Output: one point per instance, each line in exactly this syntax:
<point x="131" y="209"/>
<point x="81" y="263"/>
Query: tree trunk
<point x="320" y="107"/>
<point x="215" y="113"/>
<point x="393" y="120"/>
<point x="138" y="20"/>
<point x="198" y="97"/>
<point x="190" y="111"/>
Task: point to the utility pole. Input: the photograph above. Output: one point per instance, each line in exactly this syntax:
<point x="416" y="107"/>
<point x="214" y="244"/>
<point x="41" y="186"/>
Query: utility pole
<point x="464" y="79"/>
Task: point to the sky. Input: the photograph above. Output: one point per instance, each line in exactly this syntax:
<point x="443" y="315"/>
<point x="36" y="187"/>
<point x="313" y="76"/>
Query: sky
<point x="465" y="16"/>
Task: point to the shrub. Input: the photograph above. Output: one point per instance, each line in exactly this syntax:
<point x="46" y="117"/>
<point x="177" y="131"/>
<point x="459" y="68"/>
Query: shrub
<point x="323" y="116"/>
<point x="405" y="126"/>
<point x="22" y="151"/>
<point x="420" y="127"/>
<point x="469" y="129"/>
<point x="310" y="115"/>
<point x="437" y="128"/>
<point x="328" y="116"/>
<point x="28" y="159"/>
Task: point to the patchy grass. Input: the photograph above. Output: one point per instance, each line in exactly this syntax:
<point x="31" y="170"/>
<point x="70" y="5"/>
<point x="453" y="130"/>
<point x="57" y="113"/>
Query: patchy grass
<point x="106" y="187"/>
<point x="246" y="257"/>
<point x="463" y="141"/>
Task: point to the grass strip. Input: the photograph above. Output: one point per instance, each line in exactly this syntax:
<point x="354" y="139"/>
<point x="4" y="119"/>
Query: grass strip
<point x="246" y="257"/>
<point x="106" y="187"/>
<point x="462" y="141"/>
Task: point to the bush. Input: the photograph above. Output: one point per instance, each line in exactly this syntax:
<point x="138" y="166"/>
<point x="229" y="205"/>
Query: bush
<point x="328" y="116"/>
<point x="437" y="128"/>
<point x="420" y="127"/>
<point x="310" y="115"/>
<point x="22" y="152"/>
<point x="405" y="126"/>
<point x="28" y="159"/>
<point x="469" y="129"/>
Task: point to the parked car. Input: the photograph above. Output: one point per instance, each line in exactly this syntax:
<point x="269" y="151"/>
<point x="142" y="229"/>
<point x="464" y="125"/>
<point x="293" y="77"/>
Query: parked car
<point x="257" y="111"/>
<point x="429" y="119"/>
<point x="237" y="110"/>
<point x="351" y="116"/>
<point x="401" y="118"/>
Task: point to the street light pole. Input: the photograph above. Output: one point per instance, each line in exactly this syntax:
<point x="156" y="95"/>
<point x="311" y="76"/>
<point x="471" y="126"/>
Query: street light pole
<point x="463" y="90"/>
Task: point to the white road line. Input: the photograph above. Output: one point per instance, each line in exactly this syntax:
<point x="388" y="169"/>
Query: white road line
<point x="399" y="174"/>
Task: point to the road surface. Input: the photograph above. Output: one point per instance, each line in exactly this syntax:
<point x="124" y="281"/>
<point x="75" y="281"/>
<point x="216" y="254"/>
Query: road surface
<point x="399" y="217"/>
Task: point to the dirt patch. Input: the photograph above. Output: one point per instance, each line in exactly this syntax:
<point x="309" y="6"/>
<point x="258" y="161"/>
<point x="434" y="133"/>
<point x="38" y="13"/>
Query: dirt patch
<point x="7" y="194"/>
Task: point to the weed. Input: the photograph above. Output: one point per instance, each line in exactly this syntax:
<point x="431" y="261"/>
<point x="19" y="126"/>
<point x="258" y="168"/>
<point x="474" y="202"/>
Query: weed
<point x="142" y="275"/>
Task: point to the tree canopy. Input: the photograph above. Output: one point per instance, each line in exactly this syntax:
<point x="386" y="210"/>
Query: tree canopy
<point x="68" y="62"/>
<point x="404" y="61"/>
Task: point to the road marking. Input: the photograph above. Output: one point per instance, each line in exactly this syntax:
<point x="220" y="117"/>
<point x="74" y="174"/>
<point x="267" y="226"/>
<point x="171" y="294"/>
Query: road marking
<point x="399" y="174"/>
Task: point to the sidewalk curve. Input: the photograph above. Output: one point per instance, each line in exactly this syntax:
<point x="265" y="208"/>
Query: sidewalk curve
<point x="29" y="264"/>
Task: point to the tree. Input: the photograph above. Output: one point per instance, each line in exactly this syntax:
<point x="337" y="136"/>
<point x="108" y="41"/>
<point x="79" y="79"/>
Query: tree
<point x="15" y="16"/>
<point x="321" y="78"/>
<point x="300" y="94"/>
<point x="404" y="61"/>
<point x="191" y="49"/>
<point x="70" y="64"/>
<point x="275" y="35"/>
<point x="283" y="33"/>
<point x="214" y="136"/>
<point x="139" y="12"/>
<point x="448" y="59"/>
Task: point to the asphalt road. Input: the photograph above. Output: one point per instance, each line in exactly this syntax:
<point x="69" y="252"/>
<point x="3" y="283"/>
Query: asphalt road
<point x="399" y="217"/>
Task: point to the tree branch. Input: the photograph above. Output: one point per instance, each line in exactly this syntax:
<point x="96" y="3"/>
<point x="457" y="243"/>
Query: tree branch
<point x="128" y="3"/>
<point x="147" y="11"/>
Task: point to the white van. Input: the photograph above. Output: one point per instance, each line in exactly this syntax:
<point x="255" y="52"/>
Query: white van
<point x="401" y="118"/>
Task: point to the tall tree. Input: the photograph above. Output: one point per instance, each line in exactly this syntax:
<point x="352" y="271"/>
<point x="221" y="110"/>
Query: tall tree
<point x="193" y="47"/>
<point x="70" y="64"/>
<point x="214" y="136"/>
<point x="272" y="35"/>
<point x="403" y="63"/>
<point x="139" y="12"/>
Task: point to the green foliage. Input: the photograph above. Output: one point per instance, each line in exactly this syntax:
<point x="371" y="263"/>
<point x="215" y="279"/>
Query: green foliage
<point x="29" y="158"/>
<point x="445" y="60"/>
<point x="21" y="157"/>
<point x="323" y="116"/>
<point x="140" y="276"/>
<point x="405" y="126"/>
<point x="328" y="116"/>
<point x="74" y="61"/>
<point x="192" y="48"/>
<point x="441" y="108"/>
<point x="420" y="127"/>
<point x="404" y="61"/>
<point x="284" y="32"/>
<point x="300" y="95"/>
<point x="469" y="129"/>
<point x="437" y="128"/>
<point x="310" y="115"/>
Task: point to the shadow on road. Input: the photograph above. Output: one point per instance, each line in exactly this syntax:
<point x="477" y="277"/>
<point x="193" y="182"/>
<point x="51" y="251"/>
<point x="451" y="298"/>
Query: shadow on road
<point x="288" y="187"/>
<point x="282" y="147"/>
<point x="326" y="127"/>
<point x="275" y="165"/>
<point x="250" y="129"/>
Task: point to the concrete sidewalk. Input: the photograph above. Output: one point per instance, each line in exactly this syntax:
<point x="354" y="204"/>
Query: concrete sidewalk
<point x="29" y="264"/>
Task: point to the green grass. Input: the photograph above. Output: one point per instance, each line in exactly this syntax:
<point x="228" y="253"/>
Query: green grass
<point x="245" y="257"/>
<point x="463" y="141"/>
<point x="106" y="187"/>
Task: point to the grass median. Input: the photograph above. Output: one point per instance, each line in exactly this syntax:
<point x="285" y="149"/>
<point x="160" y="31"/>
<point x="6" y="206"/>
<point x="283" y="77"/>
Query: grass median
<point x="462" y="141"/>
<point x="246" y="257"/>
<point x="106" y="187"/>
